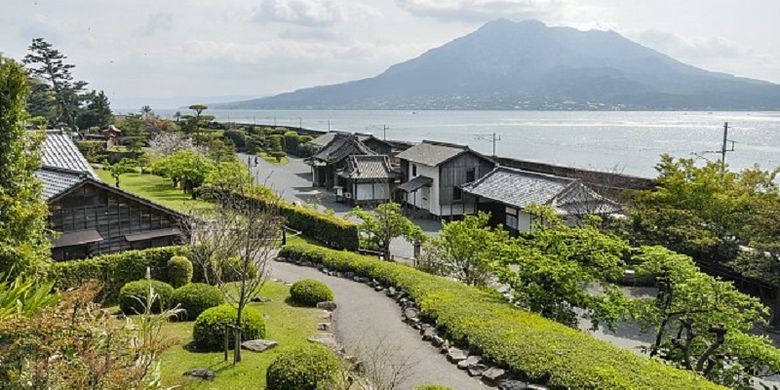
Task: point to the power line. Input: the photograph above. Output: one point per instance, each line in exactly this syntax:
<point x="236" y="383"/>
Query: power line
<point x="725" y="148"/>
<point x="490" y="138"/>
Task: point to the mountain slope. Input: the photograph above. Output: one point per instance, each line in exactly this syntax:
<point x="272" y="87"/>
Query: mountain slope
<point x="528" y="65"/>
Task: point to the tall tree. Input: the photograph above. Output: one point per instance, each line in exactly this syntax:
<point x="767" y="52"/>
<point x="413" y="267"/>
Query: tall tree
<point x="47" y="63"/>
<point x="24" y="246"/>
<point x="380" y="227"/>
<point x="96" y="112"/>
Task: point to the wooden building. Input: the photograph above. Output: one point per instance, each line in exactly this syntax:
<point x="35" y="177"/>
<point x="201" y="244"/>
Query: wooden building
<point x="89" y="217"/>
<point x="377" y="145"/>
<point x="432" y="174"/>
<point x="367" y="179"/>
<point x="332" y="158"/>
<point x="506" y="192"/>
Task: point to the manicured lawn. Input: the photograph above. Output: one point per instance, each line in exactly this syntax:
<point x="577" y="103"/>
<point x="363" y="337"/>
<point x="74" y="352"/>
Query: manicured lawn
<point x="265" y="156"/>
<point x="157" y="189"/>
<point x="289" y="325"/>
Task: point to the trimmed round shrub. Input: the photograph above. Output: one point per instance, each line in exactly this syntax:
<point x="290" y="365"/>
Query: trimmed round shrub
<point x="208" y="332"/>
<point x="433" y="387"/>
<point x="195" y="298"/>
<point x="309" y="292"/>
<point x="132" y="292"/>
<point x="306" y="367"/>
<point x="179" y="271"/>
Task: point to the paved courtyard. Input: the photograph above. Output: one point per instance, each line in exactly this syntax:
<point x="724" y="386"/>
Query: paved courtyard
<point x="293" y="182"/>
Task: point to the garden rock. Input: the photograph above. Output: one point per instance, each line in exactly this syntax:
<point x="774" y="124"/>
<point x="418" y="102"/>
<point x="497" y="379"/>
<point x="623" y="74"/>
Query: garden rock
<point x="492" y="375"/>
<point x="378" y="287"/>
<point x="258" y="345"/>
<point x="536" y="387"/>
<point x="327" y="305"/>
<point x="323" y="326"/>
<point x="477" y="369"/>
<point x="411" y="313"/>
<point x="261" y="299"/>
<point x="429" y="334"/>
<point x="326" y="339"/>
<point x="470" y="361"/>
<point x="437" y="341"/>
<point x="456" y="355"/>
<point x="511" y="384"/>
<point x="390" y="291"/>
<point x="202" y="373"/>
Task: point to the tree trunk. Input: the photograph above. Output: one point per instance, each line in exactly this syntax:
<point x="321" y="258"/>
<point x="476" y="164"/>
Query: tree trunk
<point x="237" y="344"/>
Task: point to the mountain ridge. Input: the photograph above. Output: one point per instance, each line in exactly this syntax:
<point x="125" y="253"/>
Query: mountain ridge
<point x="528" y="65"/>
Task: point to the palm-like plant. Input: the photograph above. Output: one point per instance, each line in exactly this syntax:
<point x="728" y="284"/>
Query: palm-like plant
<point x="24" y="296"/>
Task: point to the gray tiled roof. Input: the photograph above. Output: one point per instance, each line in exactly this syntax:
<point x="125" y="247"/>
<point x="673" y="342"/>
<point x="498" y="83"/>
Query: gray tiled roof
<point x="324" y="139"/>
<point x="341" y="146"/>
<point x="59" y="151"/>
<point x="57" y="180"/>
<point x="521" y="188"/>
<point x="368" y="167"/>
<point x="415" y="184"/>
<point x="431" y="153"/>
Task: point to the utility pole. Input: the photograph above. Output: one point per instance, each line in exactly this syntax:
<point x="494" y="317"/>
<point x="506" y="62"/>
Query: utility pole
<point x="490" y="138"/>
<point x="300" y="123"/>
<point x="725" y="147"/>
<point x="384" y="132"/>
<point x="329" y="125"/>
<point x="274" y="120"/>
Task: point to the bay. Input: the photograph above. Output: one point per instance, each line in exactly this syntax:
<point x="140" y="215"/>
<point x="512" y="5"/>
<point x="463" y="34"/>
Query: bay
<point x="627" y="141"/>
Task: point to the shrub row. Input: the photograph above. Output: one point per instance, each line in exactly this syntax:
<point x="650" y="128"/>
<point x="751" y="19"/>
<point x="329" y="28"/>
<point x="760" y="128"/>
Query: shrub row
<point x="115" y="269"/>
<point x="527" y="344"/>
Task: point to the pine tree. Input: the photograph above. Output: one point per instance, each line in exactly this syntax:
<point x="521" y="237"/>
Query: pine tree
<point x="96" y="112"/>
<point x="24" y="246"/>
<point x="47" y="63"/>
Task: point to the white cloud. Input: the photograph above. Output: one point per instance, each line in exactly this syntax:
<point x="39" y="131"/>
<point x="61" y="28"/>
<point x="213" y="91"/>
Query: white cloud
<point x="692" y="48"/>
<point x="316" y="13"/>
<point x="158" y="22"/>
<point x="481" y="10"/>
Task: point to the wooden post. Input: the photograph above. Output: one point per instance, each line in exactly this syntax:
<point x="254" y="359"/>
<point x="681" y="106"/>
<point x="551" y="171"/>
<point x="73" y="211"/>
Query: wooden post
<point x="227" y="326"/>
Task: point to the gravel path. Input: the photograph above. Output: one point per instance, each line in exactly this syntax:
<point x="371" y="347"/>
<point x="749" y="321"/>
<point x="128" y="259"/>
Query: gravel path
<point x="367" y="321"/>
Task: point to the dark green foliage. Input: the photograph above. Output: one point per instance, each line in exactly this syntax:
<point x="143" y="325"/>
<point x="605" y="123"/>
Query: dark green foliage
<point x="131" y="292"/>
<point x="237" y="137"/>
<point x="113" y="270"/>
<point x="24" y="247"/>
<point x="278" y="155"/>
<point x="96" y="112"/>
<point x="309" y="292"/>
<point x="195" y="298"/>
<point x="291" y="141"/>
<point x="179" y="271"/>
<point x="208" y="331"/>
<point x="307" y="367"/>
<point x="527" y="344"/>
<point x="94" y="151"/>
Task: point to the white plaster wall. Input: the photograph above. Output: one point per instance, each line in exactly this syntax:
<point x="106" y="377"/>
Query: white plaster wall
<point x="427" y="199"/>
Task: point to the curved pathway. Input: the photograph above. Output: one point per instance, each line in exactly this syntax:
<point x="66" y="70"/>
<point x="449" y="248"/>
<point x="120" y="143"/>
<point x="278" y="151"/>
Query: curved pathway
<point x="370" y="320"/>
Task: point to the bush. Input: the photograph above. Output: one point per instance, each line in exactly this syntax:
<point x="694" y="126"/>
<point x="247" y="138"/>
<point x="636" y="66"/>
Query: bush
<point x="131" y="292"/>
<point x="525" y="343"/>
<point x="208" y="331"/>
<point x="114" y="270"/>
<point x="433" y="387"/>
<point x="309" y="292"/>
<point x="310" y="366"/>
<point x="195" y="298"/>
<point x="179" y="271"/>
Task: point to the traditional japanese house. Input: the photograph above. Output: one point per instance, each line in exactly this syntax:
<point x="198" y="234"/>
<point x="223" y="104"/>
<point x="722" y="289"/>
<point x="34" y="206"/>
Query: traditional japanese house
<point x="506" y="192"/>
<point x="367" y="179"/>
<point x="432" y="174"/>
<point x="332" y="159"/>
<point x="89" y="217"/>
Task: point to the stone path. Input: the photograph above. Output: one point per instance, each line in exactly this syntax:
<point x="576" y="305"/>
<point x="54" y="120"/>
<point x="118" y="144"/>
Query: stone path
<point x="366" y="321"/>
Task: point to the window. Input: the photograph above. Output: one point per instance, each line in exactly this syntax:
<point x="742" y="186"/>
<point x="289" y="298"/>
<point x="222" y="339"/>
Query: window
<point x="414" y="170"/>
<point x="457" y="193"/>
<point x="471" y="175"/>
<point x="511" y="218"/>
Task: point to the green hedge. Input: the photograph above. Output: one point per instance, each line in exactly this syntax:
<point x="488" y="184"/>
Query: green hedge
<point x="310" y="366"/>
<point x="133" y="296"/>
<point x="208" y="331"/>
<point x="195" y="298"/>
<point x="115" y="269"/>
<point x="527" y="344"/>
<point x="310" y="292"/>
<point x="331" y="230"/>
<point x="179" y="270"/>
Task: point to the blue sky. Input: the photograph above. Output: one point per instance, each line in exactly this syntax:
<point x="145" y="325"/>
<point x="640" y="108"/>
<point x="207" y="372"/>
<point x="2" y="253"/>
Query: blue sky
<point x="231" y="48"/>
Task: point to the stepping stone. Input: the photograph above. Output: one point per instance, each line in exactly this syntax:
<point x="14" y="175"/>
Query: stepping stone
<point x="261" y="299"/>
<point x="477" y="369"/>
<point x="456" y="355"/>
<point x="492" y="375"/>
<point x="327" y="305"/>
<point x="511" y="384"/>
<point x="471" y="360"/>
<point x="327" y="340"/>
<point x="259" y="345"/>
<point x="202" y="373"/>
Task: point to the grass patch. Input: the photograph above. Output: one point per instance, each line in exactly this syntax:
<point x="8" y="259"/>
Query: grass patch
<point x="157" y="189"/>
<point x="265" y="156"/>
<point x="288" y="325"/>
